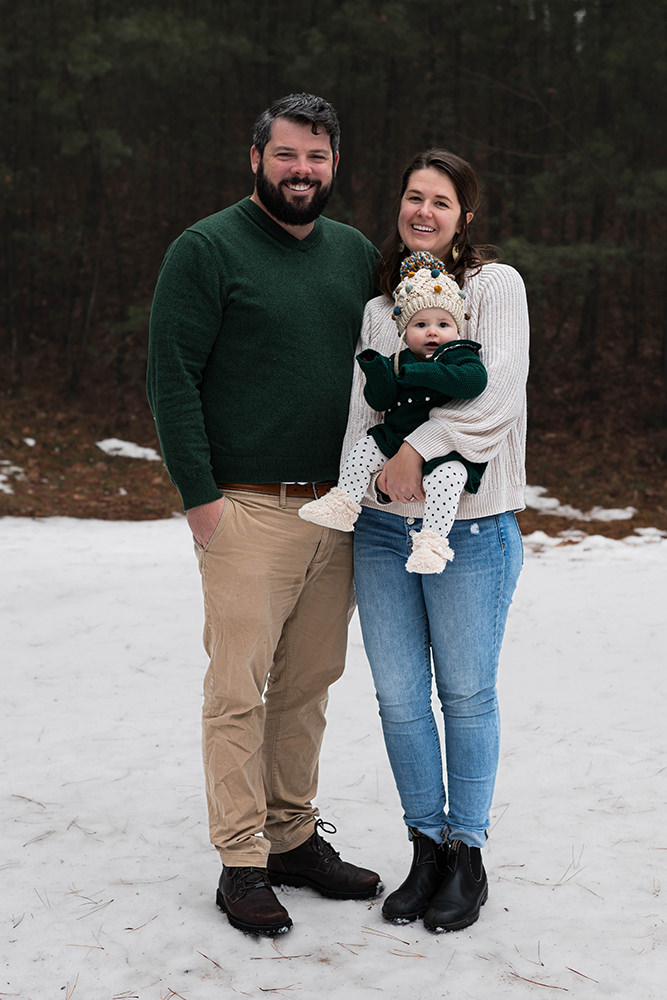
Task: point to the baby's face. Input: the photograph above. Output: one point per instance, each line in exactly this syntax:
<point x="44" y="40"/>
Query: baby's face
<point x="428" y="329"/>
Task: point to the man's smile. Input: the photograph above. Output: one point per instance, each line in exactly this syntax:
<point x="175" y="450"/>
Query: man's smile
<point x="299" y="185"/>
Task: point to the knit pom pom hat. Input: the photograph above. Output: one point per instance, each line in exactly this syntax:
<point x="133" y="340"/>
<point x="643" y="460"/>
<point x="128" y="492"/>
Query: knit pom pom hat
<point x="425" y="284"/>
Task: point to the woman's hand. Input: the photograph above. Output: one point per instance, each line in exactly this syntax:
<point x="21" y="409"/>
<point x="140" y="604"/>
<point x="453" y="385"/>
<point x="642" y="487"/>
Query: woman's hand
<point x="401" y="477"/>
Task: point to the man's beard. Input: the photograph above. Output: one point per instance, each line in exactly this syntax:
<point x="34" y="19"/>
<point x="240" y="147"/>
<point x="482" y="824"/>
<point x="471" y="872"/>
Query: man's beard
<point x="289" y="213"/>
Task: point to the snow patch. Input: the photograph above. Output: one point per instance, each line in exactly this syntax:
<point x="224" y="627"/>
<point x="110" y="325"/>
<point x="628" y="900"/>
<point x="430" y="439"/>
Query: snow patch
<point x="536" y="500"/>
<point x="126" y="449"/>
<point x="9" y="471"/>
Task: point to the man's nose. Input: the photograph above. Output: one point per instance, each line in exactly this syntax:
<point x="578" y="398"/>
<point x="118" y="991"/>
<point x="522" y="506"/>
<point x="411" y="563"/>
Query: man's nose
<point x="301" y="166"/>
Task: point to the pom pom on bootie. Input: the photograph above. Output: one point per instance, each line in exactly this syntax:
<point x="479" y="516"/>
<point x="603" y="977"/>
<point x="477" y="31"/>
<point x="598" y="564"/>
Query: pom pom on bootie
<point x="336" y="509"/>
<point x="430" y="553"/>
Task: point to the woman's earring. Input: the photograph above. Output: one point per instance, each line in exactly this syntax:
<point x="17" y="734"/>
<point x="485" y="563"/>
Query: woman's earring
<point x="456" y="253"/>
<point x="401" y="246"/>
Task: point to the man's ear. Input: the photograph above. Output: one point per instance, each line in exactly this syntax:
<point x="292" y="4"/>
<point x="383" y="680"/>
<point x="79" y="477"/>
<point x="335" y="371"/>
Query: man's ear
<point x="335" y="163"/>
<point x="255" y="157"/>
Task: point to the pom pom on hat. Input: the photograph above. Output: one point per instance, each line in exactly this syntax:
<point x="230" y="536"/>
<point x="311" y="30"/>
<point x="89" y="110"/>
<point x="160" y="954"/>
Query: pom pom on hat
<point x="418" y="260"/>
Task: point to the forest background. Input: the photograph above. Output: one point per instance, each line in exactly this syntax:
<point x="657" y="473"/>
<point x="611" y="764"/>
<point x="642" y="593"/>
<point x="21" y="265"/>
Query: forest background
<point x="124" y="122"/>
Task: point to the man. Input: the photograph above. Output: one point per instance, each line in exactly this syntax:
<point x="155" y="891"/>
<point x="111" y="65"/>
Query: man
<point x="253" y="329"/>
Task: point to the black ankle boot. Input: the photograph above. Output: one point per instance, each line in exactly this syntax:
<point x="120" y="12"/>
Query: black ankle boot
<point x="462" y="892"/>
<point x="412" y="898"/>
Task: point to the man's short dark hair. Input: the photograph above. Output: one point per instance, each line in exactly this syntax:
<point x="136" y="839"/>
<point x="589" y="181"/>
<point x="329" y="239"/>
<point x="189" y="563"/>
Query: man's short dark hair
<point x="303" y="108"/>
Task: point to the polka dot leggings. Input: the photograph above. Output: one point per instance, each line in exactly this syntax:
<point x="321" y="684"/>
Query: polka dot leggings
<point x="443" y="486"/>
<point x="361" y="463"/>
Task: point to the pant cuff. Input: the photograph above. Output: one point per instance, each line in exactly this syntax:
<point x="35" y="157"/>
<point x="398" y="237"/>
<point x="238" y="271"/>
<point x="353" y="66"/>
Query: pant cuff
<point x="473" y="838"/>
<point x="297" y="836"/>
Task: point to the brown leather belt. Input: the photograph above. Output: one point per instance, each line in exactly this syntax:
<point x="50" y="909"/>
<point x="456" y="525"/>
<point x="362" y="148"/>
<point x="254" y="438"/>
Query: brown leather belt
<point x="308" y="490"/>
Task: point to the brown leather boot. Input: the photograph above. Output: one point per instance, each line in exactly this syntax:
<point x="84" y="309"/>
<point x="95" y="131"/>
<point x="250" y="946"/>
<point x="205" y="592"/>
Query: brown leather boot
<point x="316" y="864"/>
<point x="246" y="896"/>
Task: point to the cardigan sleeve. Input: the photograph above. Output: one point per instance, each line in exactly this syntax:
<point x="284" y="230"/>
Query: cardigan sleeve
<point x="476" y="428"/>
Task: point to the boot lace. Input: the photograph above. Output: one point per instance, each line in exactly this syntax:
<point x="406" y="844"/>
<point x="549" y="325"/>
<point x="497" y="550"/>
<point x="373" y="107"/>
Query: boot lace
<point x="321" y="846"/>
<point x="253" y="878"/>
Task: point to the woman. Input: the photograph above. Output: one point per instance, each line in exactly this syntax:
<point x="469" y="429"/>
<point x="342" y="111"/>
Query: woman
<point x="451" y="623"/>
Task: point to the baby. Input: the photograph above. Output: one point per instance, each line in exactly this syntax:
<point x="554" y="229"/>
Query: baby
<point x="436" y="367"/>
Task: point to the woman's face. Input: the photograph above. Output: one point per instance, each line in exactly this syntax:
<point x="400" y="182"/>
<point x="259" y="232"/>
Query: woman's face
<point x="430" y="214"/>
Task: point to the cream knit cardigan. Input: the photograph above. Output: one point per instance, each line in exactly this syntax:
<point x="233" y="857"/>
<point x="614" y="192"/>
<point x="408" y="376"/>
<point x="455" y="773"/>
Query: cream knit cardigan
<point x="490" y="428"/>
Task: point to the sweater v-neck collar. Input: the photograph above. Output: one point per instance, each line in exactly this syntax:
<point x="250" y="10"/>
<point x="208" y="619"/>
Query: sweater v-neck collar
<point x="265" y="222"/>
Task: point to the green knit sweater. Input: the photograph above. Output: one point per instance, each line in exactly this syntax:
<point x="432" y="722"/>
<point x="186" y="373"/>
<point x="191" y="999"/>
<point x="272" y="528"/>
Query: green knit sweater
<point x="251" y="350"/>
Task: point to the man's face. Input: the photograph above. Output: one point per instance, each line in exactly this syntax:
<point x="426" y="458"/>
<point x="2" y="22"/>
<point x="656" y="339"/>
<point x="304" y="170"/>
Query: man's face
<point x="294" y="177"/>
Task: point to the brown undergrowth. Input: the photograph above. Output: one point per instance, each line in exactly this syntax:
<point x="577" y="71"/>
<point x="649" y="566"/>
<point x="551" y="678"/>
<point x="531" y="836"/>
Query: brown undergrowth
<point x="64" y="473"/>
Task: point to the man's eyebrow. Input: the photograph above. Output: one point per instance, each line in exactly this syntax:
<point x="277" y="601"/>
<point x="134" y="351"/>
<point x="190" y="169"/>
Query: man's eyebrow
<point x="292" y="149"/>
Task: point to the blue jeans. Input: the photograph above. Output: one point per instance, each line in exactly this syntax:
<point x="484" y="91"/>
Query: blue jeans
<point x="456" y="618"/>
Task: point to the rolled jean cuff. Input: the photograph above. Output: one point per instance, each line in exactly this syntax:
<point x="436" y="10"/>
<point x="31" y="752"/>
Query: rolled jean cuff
<point x="473" y="838"/>
<point x="434" y="833"/>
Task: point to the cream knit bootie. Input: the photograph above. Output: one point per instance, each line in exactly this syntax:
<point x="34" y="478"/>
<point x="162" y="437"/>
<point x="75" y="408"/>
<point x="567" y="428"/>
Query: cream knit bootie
<point x="336" y="509"/>
<point x="430" y="553"/>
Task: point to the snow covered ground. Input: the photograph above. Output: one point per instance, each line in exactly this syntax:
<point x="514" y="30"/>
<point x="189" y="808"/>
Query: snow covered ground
<point x="107" y="880"/>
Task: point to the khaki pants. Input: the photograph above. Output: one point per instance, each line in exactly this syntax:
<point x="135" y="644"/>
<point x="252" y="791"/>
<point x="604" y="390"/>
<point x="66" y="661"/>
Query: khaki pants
<point x="277" y="600"/>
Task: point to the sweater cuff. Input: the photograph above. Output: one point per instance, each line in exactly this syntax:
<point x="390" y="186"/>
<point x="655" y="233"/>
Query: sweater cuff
<point x="196" y="492"/>
<point x="428" y="444"/>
